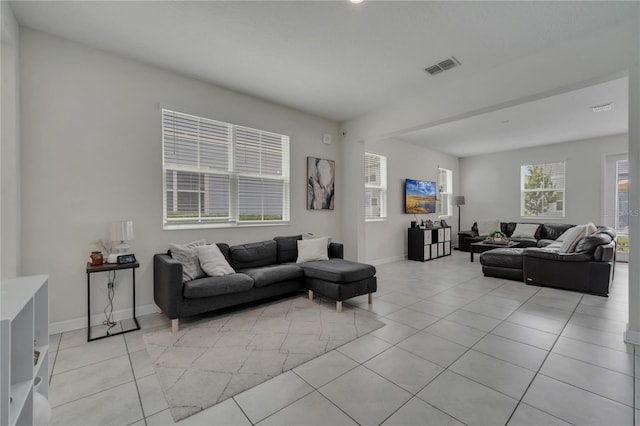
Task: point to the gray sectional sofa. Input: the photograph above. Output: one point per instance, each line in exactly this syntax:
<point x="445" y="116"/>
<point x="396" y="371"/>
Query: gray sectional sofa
<point x="262" y="270"/>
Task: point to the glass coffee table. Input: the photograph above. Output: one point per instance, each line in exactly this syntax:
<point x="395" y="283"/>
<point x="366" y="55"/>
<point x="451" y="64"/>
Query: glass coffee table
<point x="482" y="246"/>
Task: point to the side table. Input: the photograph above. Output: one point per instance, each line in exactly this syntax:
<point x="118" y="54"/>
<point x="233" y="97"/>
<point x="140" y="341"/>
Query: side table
<point x="106" y="267"/>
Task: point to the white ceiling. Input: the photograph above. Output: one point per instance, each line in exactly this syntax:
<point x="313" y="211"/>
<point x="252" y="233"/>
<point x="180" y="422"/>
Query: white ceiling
<point x="339" y="60"/>
<point x="559" y="118"/>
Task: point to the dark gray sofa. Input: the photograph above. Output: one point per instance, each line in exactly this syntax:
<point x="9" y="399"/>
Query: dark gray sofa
<point x="263" y="269"/>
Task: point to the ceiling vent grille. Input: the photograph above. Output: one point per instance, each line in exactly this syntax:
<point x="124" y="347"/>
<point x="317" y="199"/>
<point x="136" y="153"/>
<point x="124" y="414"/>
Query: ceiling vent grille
<point x="445" y="65"/>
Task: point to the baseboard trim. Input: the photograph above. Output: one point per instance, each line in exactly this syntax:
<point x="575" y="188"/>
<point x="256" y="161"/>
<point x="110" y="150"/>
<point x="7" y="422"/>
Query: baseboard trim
<point x="378" y="262"/>
<point x="632" y="336"/>
<point x="78" y="323"/>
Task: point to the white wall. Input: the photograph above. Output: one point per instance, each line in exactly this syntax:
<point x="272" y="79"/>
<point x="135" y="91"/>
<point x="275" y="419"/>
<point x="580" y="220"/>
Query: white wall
<point x="91" y="140"/>
<point x="10" y="146"/>
<point x="387" y="240"/>
<point x="491" y="183"/>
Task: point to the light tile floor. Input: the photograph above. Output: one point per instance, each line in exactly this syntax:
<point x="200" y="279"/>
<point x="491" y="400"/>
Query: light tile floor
<point x="458" y="348"/>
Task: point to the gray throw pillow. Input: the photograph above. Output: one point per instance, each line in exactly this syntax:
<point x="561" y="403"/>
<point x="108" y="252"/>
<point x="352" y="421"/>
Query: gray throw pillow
<point x="187" y="255"/>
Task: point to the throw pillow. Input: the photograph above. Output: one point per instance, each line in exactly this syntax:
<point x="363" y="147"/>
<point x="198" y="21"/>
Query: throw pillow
<point x="310" y="236"/>
<point x="525" y="230"/>
<point x="187" y="255"/>
<point x="213" y="262"/>
<point x="574" y="235"/>
<point x="313" y="249"/>
<point x="571" y="238"/>
<point x="485" y="227"/>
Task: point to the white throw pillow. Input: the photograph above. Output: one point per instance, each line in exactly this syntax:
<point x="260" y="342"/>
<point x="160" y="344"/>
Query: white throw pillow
<point x="313" y="249"/>
<point x="486" y="227"/>
<point x="525" y="230"/>
<point x="571" y="239"/>
<point x="187" y="255"/>
<point x="213" y="262"/>
<point x="310" y="236"/>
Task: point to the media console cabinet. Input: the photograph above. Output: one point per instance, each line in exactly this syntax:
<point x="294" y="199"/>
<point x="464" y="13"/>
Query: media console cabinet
<point x="429" y="243"/>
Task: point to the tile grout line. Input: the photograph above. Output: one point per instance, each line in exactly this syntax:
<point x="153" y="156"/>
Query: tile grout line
<point x="542" y="364"/>
<point x="135" y="380"/>
<point x="455" y="360"/>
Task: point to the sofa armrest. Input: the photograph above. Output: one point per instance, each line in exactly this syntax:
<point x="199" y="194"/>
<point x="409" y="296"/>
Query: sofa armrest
<point x="552" y="254"/>
<point x="605" y="252"/>
<point x="167" y="284"/>
<point x="336" y="251"/>
<point x="468" y="233"/>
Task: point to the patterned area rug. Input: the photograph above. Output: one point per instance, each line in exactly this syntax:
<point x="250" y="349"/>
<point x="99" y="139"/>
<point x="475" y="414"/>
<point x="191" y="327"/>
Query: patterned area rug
<point x="219" y="356"/>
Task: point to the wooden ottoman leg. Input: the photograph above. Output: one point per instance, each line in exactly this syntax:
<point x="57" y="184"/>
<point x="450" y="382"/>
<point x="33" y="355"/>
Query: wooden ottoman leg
<point x="339" y="306"/>
<point x="310" y="294"/>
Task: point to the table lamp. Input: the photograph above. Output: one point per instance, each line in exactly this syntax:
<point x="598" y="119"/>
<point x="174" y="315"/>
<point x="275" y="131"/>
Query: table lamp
<point x="120" y="233"/>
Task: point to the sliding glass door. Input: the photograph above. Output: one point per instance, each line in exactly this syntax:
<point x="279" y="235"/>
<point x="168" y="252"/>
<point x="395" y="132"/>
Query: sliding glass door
<point x="617" y="201"/>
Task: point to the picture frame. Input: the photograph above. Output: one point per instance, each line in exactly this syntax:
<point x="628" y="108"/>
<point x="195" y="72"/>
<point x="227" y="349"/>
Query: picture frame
<point x="321" y="175"/>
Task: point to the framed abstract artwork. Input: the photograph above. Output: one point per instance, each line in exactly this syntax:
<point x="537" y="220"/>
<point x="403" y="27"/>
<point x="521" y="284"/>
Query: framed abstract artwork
<point x="321" y="175"/>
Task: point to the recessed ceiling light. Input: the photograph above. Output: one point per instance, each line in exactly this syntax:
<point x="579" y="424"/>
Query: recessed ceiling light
<point x="603" y="107"/>
<point x="356" y="1"/>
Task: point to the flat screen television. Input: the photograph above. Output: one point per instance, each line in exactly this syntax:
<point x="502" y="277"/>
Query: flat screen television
<point x="419" y="196"/>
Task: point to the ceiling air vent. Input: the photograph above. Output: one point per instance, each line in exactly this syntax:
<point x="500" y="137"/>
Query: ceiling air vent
<point x="445" y="65"/>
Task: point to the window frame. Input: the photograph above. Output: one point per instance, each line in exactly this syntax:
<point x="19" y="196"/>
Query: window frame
<point x="375" y="191"/>
<point x="558" y="179"/>
<point x="225" y="165"/>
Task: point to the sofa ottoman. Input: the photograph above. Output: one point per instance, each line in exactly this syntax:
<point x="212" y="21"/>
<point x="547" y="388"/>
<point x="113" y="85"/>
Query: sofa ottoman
<point x="339" y="279"/>
<point x="503" y="263"/>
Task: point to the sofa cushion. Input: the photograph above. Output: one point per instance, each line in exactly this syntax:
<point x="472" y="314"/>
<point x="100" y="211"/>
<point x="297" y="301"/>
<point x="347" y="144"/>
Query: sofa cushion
<point x="272" y="274"/>
<point x="187" y="255"/>
<point x="550" y="244"/>
<point x="607" y="230"/>
<point x="554" y="254"/>
<point x="254" y="255"/>
<point x="213" y="262"/>
<point x="525" y="242"/>
<point x="486" y="227"/>
<point x="287" y="248"/>
<point x="526" y="230"/>
<point x="589" y="243"/>
<point x="337" y="270"/>
<point x="503" y="257"/>
<point x="216" y="286"/>
<point x="551" y="231"/>
<point x="313" y="249"/>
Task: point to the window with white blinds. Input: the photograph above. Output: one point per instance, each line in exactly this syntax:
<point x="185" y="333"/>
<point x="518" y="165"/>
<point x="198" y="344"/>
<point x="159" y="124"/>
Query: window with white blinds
<point x="218" y="173"/>
<point x="375" y="186"/>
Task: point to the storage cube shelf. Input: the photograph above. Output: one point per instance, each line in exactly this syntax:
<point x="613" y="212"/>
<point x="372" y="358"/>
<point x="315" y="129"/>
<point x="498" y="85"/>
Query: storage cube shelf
<point x="429" y="243"/>
<point x="24" y="328"/>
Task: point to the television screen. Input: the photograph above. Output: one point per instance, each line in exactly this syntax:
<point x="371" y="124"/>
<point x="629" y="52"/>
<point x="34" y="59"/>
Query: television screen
<point x="419" y="196"/>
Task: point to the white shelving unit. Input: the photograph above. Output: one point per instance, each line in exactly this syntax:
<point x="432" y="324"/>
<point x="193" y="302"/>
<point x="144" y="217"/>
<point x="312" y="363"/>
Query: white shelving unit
<point x="24" y="328"/>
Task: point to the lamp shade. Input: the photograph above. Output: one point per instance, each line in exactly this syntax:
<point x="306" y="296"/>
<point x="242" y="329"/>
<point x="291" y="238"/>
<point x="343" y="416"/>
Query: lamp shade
<point x="458" y="200"/>
<point x="121" y="231"/>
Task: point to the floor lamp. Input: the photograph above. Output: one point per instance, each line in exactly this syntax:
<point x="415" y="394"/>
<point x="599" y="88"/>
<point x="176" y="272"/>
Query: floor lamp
<point x="458" y="200"/>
